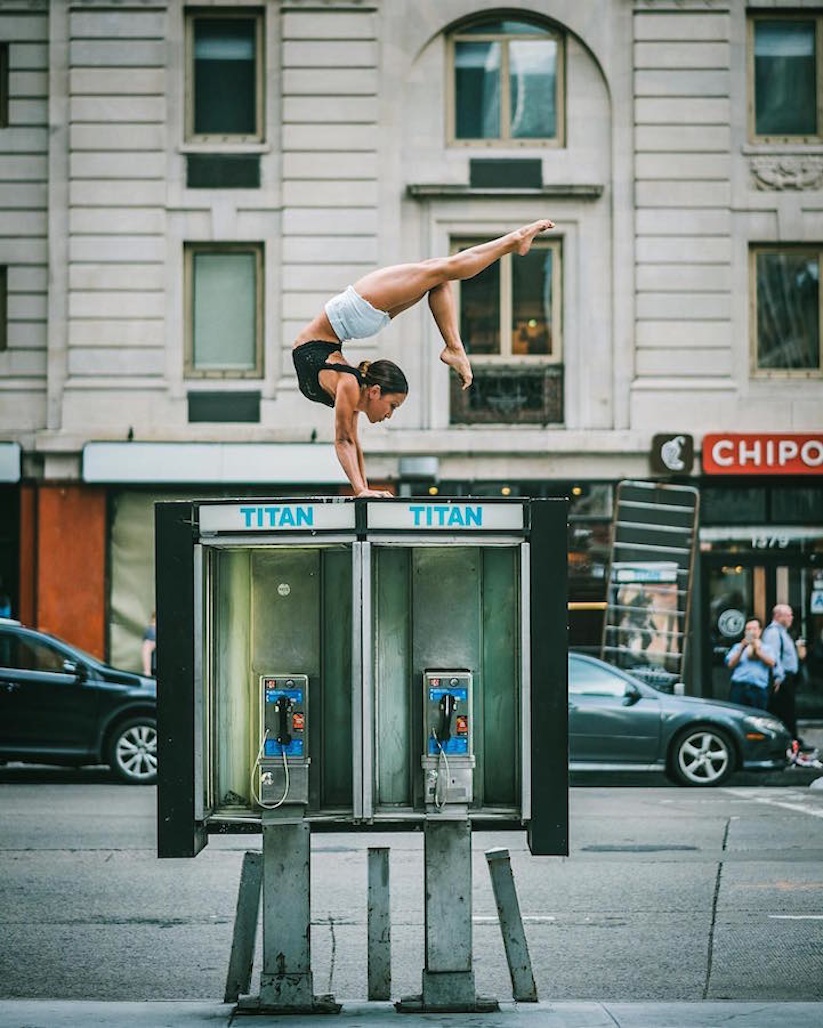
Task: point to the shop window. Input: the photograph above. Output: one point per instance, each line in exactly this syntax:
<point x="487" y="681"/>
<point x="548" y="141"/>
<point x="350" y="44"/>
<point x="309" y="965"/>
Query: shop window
<point x="224" y="303"/>
<point x="510" y="321"/>
<point x="801" y="505"/>
<point x="722" y="505"/>
<point x="507" y="84"/>
<point x="4" y="85"/>
<point x="4" y="309"/>
<point x="784" y="77"/>
<point x="224" y="76"/>
<point x="786" y="325"/>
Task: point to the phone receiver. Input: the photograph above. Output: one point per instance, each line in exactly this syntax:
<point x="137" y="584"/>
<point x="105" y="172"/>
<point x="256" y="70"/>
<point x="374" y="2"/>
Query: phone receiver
<point x="282" y="709"/>
<point x="448" y="705"/>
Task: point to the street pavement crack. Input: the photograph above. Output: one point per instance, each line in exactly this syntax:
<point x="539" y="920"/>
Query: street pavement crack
<point x="715" y="898"/>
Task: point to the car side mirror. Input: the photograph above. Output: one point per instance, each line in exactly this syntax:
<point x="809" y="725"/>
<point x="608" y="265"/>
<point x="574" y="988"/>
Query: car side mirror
<point x="73" y="667"/>
<point x="631" y="695"/>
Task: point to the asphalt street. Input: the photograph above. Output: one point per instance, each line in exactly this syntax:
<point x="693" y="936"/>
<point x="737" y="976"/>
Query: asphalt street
<point x="668" y="895"/>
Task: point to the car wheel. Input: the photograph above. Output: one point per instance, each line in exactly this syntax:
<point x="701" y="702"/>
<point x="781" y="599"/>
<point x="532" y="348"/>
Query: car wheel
<point x="702" y="755"/>
<point x="132" y="752"/>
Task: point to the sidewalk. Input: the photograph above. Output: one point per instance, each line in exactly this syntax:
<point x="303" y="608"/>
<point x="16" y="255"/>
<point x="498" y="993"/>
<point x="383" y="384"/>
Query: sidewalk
<point x="78" y="1014"/>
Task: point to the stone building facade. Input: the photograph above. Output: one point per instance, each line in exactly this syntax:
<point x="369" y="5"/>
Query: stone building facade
<point x="161" y="245"/>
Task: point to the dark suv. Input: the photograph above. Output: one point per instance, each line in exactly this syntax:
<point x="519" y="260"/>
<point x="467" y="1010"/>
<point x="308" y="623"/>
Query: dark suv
<point x="59" y="705"/>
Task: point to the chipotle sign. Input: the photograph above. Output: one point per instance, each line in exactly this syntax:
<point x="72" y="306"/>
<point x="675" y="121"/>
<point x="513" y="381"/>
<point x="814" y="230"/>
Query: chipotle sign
<point x="757" y="454"/>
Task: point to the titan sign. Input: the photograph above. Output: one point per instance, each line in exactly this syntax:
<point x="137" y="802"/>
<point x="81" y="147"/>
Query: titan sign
<point x="756" y="454"/>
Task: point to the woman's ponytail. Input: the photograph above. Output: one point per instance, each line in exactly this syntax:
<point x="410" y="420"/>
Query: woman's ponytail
<point x="385" y="374"/>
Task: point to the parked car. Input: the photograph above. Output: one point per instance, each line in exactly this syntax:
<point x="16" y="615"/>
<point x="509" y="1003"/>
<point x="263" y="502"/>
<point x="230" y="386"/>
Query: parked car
<point x="59" y="705"/>
<point x="619" y="723"/>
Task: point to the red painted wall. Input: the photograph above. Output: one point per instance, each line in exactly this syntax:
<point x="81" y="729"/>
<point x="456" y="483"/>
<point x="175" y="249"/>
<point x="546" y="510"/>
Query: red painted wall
<point x="70" y="558"/>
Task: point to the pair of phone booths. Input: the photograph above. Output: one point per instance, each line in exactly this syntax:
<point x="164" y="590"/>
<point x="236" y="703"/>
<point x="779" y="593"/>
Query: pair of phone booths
<point x="353" y="665"/>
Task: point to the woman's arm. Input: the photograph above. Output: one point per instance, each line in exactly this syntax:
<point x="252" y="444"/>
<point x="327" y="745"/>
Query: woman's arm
<point x="734" y="655"/>
<point x="346" y="441"/>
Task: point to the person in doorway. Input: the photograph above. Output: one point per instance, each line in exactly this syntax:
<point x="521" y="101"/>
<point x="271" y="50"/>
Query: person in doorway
<point x="751" y="662"/>
<point x="378" y="388"/>
<point x="776" y="635"/>
<point x="148" y="650"/>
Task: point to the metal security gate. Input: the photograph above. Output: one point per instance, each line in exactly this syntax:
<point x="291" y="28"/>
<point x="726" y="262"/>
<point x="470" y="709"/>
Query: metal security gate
<point x="654" y="535"/>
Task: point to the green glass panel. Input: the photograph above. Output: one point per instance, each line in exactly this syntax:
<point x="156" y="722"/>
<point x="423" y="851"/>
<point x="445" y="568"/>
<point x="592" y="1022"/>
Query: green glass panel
<point x="395" y="744"/>
<point x="532" y="89"/>
<point x="477" y="90"/>
<point x="335" y="686"/>
<point x="502" y="26"/>
<point x="788" y="310"/>
<point x="785" y="81"/>
<point x="225" y="76"/>
<point x="225" y="315"/>
<point x="480" y="312"/>
<point x="236" y="708"/>
<point x="532" y="303"/>
<point x="498" y="747"/>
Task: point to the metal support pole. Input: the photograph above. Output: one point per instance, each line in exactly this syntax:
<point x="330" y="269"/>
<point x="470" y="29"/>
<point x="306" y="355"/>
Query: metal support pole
<point x="448" y="977"/>
<point x="524" y="989"/>
<point x="286" y="984"/>
<point x="238" y="979"/>
<point x="379" y="924"/>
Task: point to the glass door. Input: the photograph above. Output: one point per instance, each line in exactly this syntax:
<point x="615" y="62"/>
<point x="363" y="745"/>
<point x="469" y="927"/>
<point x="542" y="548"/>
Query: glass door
<point x="737" y="586"/>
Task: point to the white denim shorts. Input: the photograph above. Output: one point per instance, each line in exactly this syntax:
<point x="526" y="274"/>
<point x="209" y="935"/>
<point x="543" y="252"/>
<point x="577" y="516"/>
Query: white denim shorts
<point x="352" y="317"/>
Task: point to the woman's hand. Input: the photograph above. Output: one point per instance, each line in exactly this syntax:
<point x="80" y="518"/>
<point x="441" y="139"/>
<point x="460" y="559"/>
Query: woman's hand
<point x="374" y="492"/>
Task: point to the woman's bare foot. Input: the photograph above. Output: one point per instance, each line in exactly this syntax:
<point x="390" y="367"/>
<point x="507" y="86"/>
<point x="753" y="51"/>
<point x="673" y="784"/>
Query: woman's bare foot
<point x="458" y="360"/>
<point x="526" y="234"/>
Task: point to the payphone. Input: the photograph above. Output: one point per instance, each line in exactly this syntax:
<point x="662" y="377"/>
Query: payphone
<point x="283" y="760"/>
<point x="448" y="759"/>
<point x="346" y="664"/>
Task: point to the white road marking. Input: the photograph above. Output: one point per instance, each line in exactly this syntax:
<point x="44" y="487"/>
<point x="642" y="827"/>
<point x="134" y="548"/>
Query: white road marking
<point x="526" y="918"/>
<point x="796" y="917"/>
<point x="746" y="794"/>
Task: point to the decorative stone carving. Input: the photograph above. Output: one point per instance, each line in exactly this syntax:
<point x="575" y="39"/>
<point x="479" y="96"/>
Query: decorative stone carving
<point x="790" y="171"/>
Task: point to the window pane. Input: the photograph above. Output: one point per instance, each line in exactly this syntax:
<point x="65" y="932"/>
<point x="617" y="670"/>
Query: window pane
<point x="532" y="303"/>
<point x="720" y="505"/>
<point x="500" y="27"/>
<point x="797" y="506"/>
<point x="225" y="76"/>
<point x="592" y="680"/>
<point x="532" y="72"/>
<point x="225" y="296"/>
<point x="785" y="86"/>
<point x="477" y="90"/>
<point x="788" y="311"/>
<point x="480" y="312"/>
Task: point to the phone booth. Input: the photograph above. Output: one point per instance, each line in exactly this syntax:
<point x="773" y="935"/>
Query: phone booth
<point x="355" y="665"/>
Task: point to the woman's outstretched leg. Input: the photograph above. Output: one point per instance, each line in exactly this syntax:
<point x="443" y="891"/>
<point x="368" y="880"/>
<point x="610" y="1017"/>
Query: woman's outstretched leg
<point x="401" y="286"/>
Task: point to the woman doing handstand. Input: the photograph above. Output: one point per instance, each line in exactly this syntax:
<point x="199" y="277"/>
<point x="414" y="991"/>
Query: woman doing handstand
<point x="378" y="388"/>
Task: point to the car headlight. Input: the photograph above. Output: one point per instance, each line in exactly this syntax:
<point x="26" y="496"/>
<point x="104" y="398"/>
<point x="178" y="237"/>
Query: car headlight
<point x="764" y="724"/>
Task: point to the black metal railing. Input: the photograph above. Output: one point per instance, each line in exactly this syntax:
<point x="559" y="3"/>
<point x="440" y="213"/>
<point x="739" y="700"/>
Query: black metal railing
<point x="510" y="395"/>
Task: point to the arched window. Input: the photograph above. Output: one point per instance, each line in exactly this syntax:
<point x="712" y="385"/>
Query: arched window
<point x="507" y="83"/>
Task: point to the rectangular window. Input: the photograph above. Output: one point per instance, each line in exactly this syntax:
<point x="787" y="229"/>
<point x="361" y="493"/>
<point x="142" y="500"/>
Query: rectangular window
<point x="224" y="84"/>
<point x="4" y="85"/>
<point x="510" y="323"/>
<point x="507" y="83"/>
<point x="511" y="310"/>
<point x="224" y="324"/>
<point x="4" y="309"/>
<point x="784" y="78"/>
<point x="786" y="321"/>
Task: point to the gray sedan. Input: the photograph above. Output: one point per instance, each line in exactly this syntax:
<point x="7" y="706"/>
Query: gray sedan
<point x="618" y="723"/>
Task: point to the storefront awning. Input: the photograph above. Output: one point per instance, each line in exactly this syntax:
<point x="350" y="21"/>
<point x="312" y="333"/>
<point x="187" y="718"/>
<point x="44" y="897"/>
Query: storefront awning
<point x="203" y="463"/>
